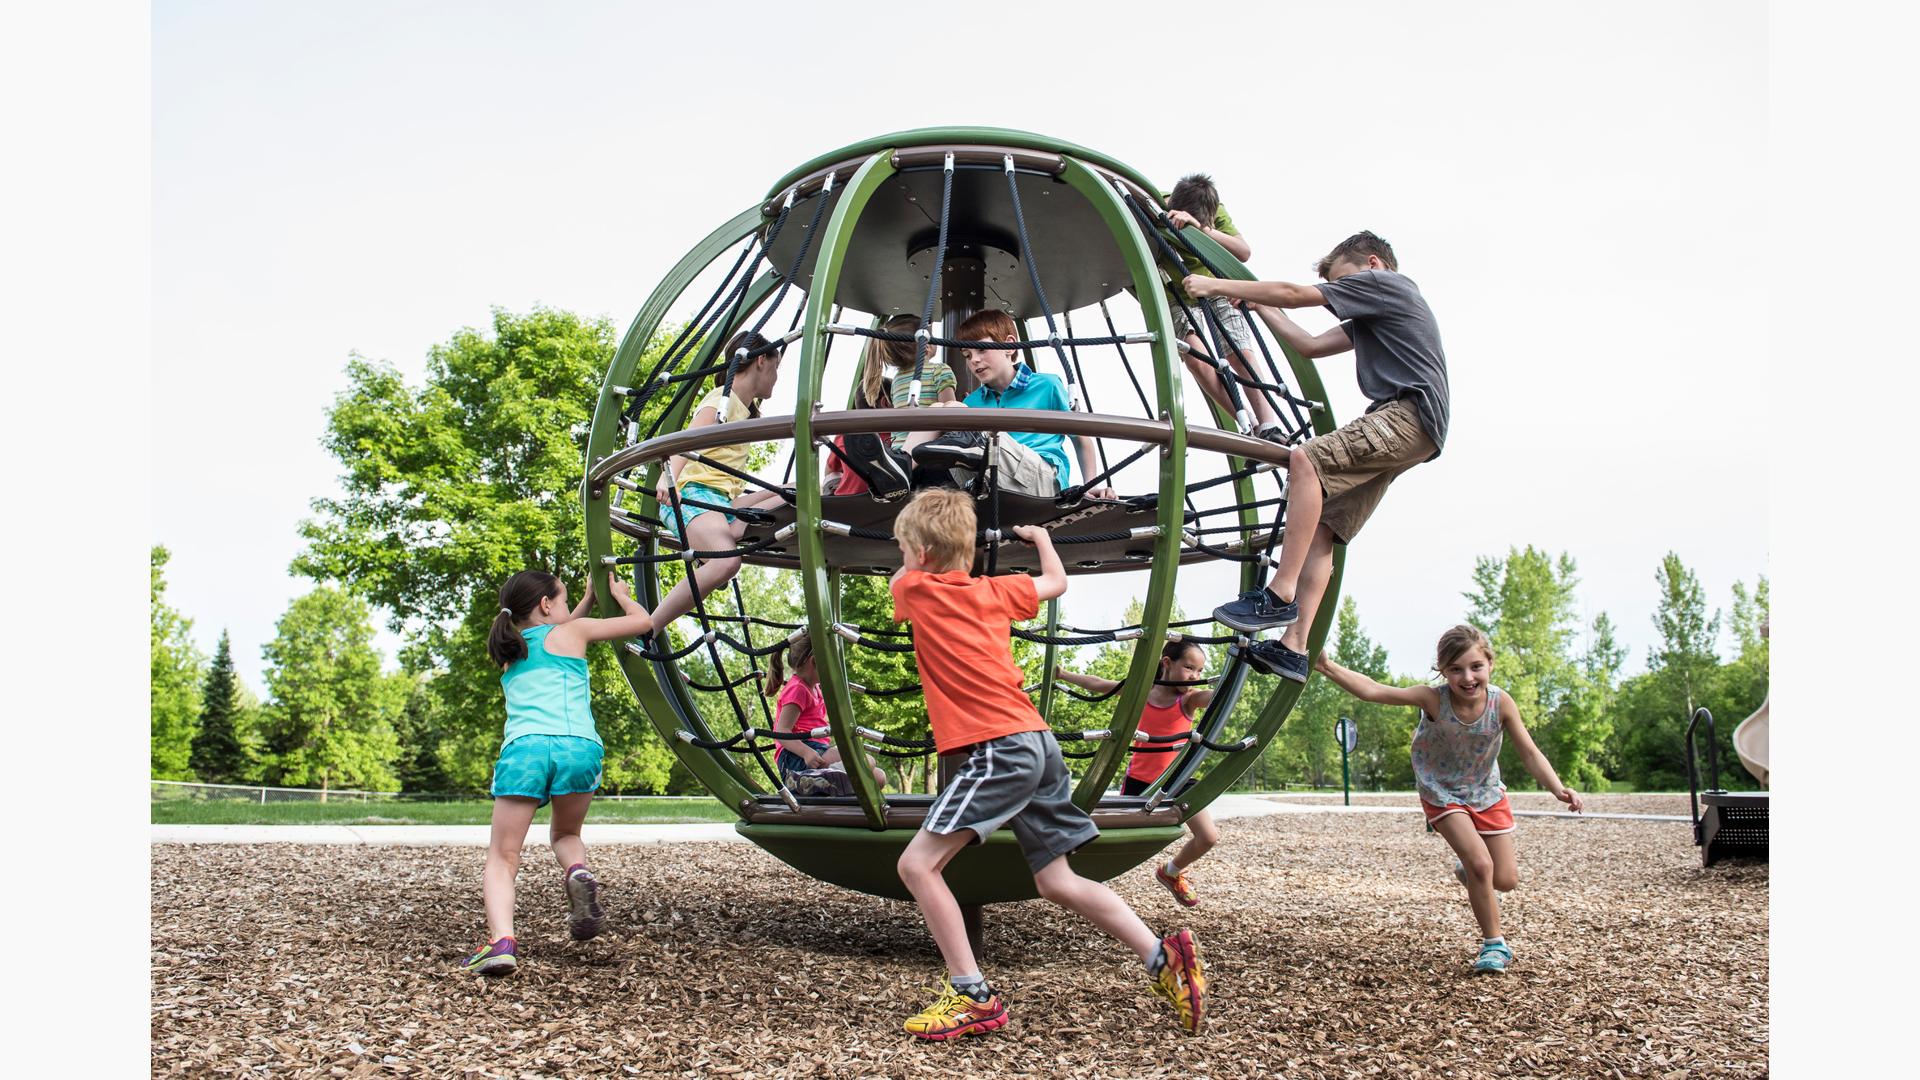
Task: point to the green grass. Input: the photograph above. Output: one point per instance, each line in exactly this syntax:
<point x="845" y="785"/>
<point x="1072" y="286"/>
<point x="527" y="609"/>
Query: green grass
<point x="381" y="812"/>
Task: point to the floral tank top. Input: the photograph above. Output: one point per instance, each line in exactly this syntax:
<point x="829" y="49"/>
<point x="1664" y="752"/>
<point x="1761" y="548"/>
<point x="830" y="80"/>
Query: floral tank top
<point x="1458" y="761"/>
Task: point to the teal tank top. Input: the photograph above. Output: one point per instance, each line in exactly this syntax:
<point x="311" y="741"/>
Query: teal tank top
<point x="547" y="694"/>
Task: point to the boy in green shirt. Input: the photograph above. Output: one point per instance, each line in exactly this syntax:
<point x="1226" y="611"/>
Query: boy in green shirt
<point x="1194" y="203"/>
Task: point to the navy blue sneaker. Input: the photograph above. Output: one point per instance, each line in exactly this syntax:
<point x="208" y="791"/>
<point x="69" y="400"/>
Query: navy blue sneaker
<point x="1276" y="659"/>
<point x="883" y="468"/>
<point x="954" y="450"/>
<point x="1257" y="609"/>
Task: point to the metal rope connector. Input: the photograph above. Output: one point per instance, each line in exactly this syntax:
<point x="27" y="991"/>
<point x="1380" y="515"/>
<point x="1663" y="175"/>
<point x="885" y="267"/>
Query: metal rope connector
<point x="948" y="167"/>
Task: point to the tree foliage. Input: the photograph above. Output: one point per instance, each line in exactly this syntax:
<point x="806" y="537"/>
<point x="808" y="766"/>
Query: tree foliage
<point x="1526" y="605"/>
<point x="219" y="756"/>
<point x="173" y="681"/>
<point x="331" y="713"/>
<point x="1685" y="672"/>
<point x="449" y="489"/>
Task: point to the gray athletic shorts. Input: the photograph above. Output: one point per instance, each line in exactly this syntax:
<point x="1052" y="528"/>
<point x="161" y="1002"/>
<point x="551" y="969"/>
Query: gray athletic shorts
<point x="1019" y="780"/>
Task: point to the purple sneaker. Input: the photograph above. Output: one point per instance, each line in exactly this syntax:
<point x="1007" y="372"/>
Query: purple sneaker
<point x="585" y="916"/>
<point x="494" y="958"/>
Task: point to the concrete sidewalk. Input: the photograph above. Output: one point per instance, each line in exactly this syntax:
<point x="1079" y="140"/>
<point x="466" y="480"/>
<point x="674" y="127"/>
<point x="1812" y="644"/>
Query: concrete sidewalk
<point x="1224" y="808"/>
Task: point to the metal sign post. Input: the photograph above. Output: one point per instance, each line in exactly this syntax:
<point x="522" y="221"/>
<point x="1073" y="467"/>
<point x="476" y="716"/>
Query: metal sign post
<point x="1348" y="735"/>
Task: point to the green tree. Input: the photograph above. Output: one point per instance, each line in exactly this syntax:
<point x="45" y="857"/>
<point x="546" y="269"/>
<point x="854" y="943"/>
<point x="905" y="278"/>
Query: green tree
<point x="1526" y="605"/>
<point x="219" y="757"/>
<point x="1745" y="679"/>
<point x="449" y="489"/>
<point x="331" y="712"/>
<point x="174" y="680"/>
<point x="1684" y="673"/>
<point x="419" y="728"/>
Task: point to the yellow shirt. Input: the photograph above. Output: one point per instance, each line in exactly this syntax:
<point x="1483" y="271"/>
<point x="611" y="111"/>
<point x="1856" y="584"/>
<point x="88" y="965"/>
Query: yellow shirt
<point x="733" y="455"/>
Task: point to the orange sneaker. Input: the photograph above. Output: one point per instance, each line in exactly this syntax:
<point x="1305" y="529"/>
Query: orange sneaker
<point x="954" y="1014"/>
<point x="1178" y="885"/>
<point x="1182" y="983"/>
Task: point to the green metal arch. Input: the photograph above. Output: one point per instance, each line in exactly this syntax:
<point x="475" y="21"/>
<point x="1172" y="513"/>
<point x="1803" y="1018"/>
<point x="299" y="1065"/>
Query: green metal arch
<point x="821" y="595"/>
<point x="727" y="784"/>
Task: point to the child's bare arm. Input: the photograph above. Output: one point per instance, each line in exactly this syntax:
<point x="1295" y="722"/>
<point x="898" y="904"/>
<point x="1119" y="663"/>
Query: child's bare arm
<point x="633" y="623"/>
<point x="1366" y="689"/>
<point x="1306" y="344"/>
<point x="1083" y="446"/>
<point x="1236" y="246"/>
<point x="1052" y="581"/>
<point x="586" y="601"/>
<point x="1283" y="294"/>
<point x="1530" y="756"/>
<point x="1090" y="683"/>
<point x="670" y="472"/>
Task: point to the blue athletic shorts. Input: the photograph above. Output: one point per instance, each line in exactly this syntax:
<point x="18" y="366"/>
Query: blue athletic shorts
<point x="542" y="766"/>
<point x="678" y="522"/>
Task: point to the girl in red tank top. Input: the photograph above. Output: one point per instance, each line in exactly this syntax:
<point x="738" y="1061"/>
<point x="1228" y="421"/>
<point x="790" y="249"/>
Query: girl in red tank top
<point x="1172" y="707"/>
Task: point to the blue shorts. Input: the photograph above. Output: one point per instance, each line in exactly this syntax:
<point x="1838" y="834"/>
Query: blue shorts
<point x="542" y="766"/>
<point x="790" y="762"/>
<point x="678" y="522"/>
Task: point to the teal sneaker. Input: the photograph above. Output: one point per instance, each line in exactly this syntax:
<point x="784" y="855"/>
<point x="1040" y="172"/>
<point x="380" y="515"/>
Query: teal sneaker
<point x="1493" y="960"/>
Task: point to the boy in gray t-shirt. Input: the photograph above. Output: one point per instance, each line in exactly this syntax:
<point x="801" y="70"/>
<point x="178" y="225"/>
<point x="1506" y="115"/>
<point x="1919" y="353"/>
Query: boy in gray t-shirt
<point x="1335" y="481"/>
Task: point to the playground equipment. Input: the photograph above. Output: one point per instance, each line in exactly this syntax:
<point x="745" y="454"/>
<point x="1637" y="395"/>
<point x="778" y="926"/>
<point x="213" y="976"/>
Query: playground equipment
<point x="1751" y="738"/>
<point x="942" y="223"/>
<point x="1750" y="742"/>
<point x="1725" y="823"/>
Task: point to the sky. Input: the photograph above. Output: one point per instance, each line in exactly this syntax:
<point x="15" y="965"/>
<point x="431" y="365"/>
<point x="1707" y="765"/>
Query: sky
<point x="1578" y="193"/>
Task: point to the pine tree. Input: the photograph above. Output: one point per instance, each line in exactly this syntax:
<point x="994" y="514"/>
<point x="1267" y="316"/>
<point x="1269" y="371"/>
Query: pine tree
<point x="218" y="756"/>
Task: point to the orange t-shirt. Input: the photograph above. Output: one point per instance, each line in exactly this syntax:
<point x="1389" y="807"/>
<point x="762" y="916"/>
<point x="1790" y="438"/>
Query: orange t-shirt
<point x="962" y="626"/>
<point x="1159" y="720"/>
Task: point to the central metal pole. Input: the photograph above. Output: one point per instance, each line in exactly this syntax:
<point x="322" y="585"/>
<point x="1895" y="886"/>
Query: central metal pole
<point x="963" y="291"/>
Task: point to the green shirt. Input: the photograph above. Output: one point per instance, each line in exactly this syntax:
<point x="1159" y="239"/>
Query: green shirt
<point x="935" y="376"/>
<point x="1221" y="222"/>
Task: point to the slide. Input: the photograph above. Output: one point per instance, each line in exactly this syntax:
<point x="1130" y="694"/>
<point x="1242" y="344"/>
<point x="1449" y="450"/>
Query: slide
<point x="1750" y="742"/>
<point x="1750" y="738"/>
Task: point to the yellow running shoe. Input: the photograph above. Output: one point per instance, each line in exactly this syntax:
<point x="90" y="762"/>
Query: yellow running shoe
<point x="1182" y="983"/>
<point x="1178" y="885"/>
<point x="954" y="1014"/>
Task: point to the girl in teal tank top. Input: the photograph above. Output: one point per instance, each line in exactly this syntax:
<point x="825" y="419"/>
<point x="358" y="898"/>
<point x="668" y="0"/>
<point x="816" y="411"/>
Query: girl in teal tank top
<point x="1456" y="752"/>
<point x="551" y="751"/>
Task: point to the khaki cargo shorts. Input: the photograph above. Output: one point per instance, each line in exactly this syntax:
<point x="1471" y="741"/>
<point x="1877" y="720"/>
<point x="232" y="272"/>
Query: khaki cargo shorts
<point x="1022" y="469"/>
<point x="1360" y="459"/>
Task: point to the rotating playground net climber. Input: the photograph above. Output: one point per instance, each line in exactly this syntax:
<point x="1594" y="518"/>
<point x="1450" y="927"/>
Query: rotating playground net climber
<point x="942" y="223"/>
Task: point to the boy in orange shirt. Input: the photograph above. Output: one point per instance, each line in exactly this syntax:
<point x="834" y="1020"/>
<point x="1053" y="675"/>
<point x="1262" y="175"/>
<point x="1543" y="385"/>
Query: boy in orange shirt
<point x="1014" y="774"/>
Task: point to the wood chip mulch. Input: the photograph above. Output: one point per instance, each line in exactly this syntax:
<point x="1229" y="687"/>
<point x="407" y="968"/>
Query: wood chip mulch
<point x="1338" y="945"/>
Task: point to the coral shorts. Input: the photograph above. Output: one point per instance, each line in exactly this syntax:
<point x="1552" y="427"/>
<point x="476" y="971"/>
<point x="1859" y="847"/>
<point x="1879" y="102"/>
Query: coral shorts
<point x="1492" y="821"/>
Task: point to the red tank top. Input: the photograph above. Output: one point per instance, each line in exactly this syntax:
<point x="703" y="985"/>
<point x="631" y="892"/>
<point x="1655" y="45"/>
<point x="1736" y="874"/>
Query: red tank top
<point x="1159" y="720"/>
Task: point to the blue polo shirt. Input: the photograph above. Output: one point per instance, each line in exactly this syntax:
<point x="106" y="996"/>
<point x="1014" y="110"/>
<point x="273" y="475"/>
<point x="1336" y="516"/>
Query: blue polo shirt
<point x="1032" y="390"/>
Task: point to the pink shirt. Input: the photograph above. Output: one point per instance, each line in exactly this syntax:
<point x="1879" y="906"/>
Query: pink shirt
<point x="813" y="707"/>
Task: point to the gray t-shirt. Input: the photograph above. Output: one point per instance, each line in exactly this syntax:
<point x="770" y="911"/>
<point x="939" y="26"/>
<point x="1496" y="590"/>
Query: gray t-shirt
<point x="1396" y="344"/>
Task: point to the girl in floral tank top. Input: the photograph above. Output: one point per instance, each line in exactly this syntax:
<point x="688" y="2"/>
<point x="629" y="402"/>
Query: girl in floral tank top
<point x="1456" y="767"/>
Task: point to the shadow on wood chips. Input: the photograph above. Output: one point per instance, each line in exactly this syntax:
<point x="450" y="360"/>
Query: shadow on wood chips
<point x="1338" y="945"/>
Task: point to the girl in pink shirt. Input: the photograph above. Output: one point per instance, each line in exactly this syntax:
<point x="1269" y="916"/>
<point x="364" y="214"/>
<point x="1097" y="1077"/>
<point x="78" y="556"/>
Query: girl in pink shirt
<point x="803" y="711"/>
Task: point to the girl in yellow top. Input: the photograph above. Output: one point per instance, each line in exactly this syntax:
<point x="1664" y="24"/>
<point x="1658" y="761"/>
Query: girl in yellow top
<point x="702" y="528"/>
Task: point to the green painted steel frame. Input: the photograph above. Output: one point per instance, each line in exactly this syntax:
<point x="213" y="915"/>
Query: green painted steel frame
<point x="1227" y="769"/>
<point x="1158" y="608"/>
<point x="728" y="784"/>
<point x="819" y="589"/>
<point x="971" y="136"/>
<point x="664" y="705"/>
<point x="989" y="873"/>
